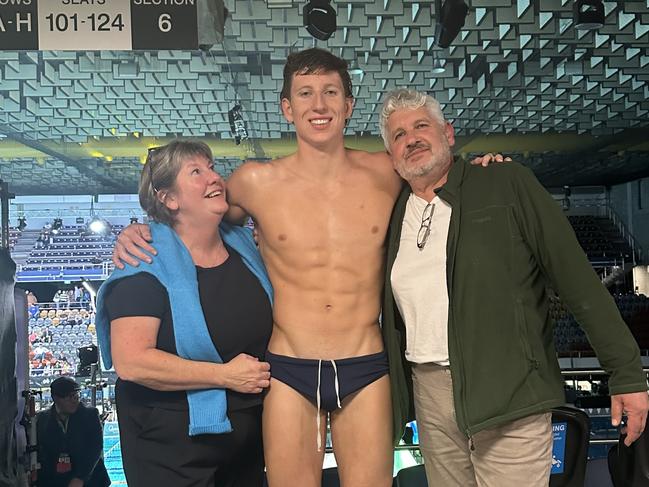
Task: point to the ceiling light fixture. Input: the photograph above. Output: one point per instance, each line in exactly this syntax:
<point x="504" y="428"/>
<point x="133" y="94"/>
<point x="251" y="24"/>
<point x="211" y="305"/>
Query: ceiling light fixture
<point x="99" y="226"/>
<point x="354" y="69"/>
<point x="319" y="19"/>
<point x="439" y="65"/>
<point x="451" y="17"/>
<point x="238" y="127"/>
<point x="589" y="14"/>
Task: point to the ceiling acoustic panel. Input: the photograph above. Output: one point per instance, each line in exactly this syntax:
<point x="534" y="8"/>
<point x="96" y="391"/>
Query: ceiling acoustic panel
<point x="517" y="67"/>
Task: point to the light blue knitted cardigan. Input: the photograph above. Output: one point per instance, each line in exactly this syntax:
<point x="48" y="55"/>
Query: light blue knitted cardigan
<point x="175" y="269"/>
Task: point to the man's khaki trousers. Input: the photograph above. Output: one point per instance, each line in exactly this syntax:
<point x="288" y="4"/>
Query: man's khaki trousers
<point x="516" y="454"/>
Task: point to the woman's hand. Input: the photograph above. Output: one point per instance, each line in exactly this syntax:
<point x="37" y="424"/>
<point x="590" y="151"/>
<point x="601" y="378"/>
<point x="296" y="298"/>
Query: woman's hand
<point x="135" y="356"/>
<point x="247" y="374"/>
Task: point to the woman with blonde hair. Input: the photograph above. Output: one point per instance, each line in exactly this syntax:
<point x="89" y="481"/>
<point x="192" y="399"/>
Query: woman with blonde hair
<point x="187" y="334"/>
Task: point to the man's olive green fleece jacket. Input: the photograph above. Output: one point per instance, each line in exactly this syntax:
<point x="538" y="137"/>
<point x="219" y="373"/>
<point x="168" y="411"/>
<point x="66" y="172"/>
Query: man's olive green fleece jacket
<point x="508" y="242"/>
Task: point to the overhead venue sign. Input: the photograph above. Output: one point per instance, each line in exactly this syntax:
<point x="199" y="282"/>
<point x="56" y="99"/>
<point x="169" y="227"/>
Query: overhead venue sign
<point x="93" y="25"/>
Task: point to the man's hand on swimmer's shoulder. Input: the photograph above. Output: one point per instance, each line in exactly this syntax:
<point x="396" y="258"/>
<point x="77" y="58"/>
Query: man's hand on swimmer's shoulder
<point x="487" y="159"/>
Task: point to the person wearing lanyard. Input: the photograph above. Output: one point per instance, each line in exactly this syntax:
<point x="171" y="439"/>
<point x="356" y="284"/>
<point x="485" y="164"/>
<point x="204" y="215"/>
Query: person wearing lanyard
<point x="70" y="440"/>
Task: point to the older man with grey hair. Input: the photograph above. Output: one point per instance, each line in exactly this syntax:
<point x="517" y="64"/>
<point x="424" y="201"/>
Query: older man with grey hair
<point x="471" y="254"/>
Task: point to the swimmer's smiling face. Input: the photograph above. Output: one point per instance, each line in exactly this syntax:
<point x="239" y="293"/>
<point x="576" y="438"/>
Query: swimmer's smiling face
<point x="318" y="106"/>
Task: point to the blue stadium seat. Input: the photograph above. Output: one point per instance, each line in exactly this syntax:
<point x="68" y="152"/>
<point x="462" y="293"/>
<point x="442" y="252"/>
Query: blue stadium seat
<point x="571" y="429"/>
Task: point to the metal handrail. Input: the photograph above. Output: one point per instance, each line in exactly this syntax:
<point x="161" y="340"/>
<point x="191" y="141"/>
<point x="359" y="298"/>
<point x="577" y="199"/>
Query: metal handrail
<point x="56" y="271"/>
<point x="604" y="441"/>
<point x="626" y="234"/>
<point x="604" y="208"/>
<point x="571" y="372"/>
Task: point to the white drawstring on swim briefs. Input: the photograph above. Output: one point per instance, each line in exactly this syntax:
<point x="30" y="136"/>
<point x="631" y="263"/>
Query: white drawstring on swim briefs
<point x="317" y="394"/>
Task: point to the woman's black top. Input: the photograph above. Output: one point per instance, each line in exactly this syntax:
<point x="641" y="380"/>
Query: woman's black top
<point x="236" y="309"/>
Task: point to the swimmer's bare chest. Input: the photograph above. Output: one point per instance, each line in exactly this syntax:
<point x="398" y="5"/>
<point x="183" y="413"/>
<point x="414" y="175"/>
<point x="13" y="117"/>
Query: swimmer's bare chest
<point x="325" y="254"/>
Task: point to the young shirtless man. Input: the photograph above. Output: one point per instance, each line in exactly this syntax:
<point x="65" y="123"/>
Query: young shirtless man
<point x="322" y="214"/>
